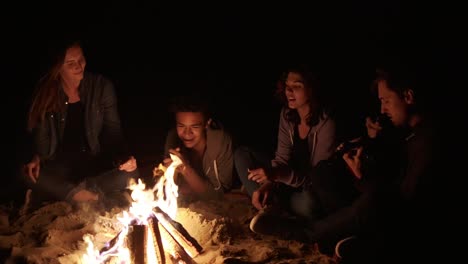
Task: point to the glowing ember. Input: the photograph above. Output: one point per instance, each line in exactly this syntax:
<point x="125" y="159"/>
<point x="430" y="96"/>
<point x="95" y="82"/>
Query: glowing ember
<point x="142" y="216"/>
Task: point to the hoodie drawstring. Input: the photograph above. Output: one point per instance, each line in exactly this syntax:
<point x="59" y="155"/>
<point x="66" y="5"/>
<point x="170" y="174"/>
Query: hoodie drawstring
<point x="215" y="166"/>
<point x="314" y="143"/>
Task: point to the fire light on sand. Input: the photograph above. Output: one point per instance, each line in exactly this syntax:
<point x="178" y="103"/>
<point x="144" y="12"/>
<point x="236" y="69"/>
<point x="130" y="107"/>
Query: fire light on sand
<point x="147" y="231"/>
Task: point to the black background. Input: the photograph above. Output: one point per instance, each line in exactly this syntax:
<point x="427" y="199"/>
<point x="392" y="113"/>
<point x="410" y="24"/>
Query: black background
<point x="233" y="53"/>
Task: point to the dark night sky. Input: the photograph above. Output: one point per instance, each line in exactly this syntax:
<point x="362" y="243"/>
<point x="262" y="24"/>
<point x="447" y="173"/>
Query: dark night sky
<point x="235" y="51"/>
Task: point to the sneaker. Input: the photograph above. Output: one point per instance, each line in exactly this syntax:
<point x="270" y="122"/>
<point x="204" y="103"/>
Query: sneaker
<point x="344" y="247"/>
<point x="352" y="250"/>
<point x="270" y="222"/>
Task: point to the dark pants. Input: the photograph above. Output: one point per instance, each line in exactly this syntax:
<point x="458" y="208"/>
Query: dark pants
<point x="246" y="158"/>
<point x="60" y="179"/>
<point x="294" y="200"/>
<point x="332" y="185"/>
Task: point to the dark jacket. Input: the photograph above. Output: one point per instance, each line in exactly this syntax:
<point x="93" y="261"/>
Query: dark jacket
<point x="351" y="205"/>
<point x="399" y="207"/>
<point x="102" y="122"/>
<point x="414" y="206"/>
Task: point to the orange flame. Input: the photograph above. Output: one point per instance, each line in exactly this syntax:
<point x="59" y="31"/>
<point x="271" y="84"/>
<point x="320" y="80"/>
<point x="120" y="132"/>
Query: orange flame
<point x="138" y="214"/>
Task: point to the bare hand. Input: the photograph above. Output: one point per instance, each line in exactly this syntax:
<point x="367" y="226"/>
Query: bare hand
<point x="179" y="154"/>
<point x="130" y="165"/>
<point x="261" y="195"/>
<point x="167" y="162"/>
<point x="373" y="128"/>
<point x="257" y="175"/>
<point x="354" y="161"/>
<point x="33" y="168"/>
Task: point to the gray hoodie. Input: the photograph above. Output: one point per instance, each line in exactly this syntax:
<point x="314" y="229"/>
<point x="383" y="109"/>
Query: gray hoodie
<point x="217" y="161"/>
<point x="321" y="141"/>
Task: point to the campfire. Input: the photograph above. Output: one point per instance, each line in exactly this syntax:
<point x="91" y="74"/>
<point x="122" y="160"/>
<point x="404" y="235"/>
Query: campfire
<point x="149" y="234"/>
<point x="146" y="231"/>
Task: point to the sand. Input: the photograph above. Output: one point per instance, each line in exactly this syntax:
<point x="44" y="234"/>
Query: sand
<point x="55" y="233"/>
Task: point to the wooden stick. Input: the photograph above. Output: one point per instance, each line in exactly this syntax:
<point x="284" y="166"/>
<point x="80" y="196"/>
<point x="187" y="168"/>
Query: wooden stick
<point x="110" y="244"/>
<point x="157" y="240"/>
<point x="136" y="243"/>
<point x="175" y="251"/>
<point x="179" y="233"/>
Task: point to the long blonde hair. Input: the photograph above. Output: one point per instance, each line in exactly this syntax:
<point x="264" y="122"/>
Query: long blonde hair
<point x="46" y="94"/>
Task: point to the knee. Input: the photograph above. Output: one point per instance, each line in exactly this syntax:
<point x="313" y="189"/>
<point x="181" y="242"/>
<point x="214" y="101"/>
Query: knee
<point x="304" y="205"/>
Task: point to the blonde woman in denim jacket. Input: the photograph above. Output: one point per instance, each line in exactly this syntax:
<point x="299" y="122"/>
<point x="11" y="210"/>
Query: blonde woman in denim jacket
<point x="74" y="123"/>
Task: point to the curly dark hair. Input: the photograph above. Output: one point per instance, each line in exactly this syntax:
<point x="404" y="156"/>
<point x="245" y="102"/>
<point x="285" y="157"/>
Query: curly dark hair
<point x="313" y="90"/>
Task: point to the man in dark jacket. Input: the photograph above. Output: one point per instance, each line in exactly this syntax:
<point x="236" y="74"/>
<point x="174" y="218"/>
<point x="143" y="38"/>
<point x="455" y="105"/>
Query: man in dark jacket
<point x="404" y="202"/>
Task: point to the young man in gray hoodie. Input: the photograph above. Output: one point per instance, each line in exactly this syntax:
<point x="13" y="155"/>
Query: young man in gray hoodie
<point x="204" y="148"/>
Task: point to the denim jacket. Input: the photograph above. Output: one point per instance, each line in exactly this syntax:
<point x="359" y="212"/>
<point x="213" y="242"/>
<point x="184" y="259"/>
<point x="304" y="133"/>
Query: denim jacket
<point x="102" y="121"/>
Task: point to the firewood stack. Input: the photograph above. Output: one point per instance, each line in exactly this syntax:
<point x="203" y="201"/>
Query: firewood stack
<point x="162" y="241"/>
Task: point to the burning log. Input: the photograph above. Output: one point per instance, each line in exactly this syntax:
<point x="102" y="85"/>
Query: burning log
<point x="136" y="242"/>
<point x="157" y="240"/>
<point x="109" y="245"/>
<point x="149" y="243"/>
<point x="144" y="245"/>
<point x="179" y="233"/>
<point x="174" y="249"/>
